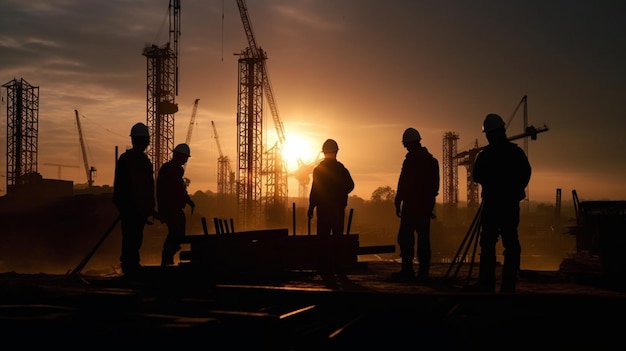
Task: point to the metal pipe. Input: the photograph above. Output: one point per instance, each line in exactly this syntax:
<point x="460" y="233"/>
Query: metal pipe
<point x="350" y="221"/>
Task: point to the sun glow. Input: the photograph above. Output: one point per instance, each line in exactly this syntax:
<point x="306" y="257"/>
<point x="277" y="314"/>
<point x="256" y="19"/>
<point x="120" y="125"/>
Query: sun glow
<point x="299" y="150"/>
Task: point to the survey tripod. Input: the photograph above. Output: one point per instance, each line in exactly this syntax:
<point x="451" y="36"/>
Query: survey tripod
<point x="470" y="241"/>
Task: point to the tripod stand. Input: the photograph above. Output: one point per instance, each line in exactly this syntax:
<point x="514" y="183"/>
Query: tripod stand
<point x="470" y="240"/>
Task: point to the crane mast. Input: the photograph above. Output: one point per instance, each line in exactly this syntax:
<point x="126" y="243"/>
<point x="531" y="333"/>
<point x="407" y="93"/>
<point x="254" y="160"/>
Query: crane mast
<point x="88" y="170"/>
<point x="256" y="165"/>
<point x="162" y="89"/>
<point x="258" y="52"/>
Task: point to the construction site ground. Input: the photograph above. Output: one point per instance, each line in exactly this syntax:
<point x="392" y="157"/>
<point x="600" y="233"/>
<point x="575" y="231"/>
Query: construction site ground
<point x="356" y="308"/>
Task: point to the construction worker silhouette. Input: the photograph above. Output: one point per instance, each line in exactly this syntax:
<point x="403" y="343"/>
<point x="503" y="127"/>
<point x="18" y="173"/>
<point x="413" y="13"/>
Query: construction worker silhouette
<point x="331" y="185"/>
<point x="418" y="187"/>
<point x="503" y="171"/>
<point x="133" y="195"/>
<point x="172" y="197"/>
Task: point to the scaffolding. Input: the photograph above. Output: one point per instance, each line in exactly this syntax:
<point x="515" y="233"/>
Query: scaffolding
<point x="22" y="132"/>
<point x="274" y="198"/>
<point x="450" y="172"/>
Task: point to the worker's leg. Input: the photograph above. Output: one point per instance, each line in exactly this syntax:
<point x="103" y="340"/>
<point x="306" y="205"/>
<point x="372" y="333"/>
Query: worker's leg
<point x="175" y="235"/>
<point x="324" y="221"/>
<point x="338" y="221"/>
<point x="132" y="237"/>
<point x="512" y="248"/>
<point x="324" y="225"/>
<point x="406" y="242"/>
<point x="488" y="239"/>
<point x="423" y="246"/>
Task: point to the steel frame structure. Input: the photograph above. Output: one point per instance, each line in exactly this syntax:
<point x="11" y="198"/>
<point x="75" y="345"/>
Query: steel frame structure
<point x="250" y="139"/>
<point x="160" y="103"/>
<point x="450" y="171"/>
<point x="274" y="198"/>
<point x="162" y="89"/>
<point x="22" y="131"/>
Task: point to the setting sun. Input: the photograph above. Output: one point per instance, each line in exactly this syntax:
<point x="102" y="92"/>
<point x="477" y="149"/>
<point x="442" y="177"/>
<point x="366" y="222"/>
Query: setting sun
<point x="299" y="148"/>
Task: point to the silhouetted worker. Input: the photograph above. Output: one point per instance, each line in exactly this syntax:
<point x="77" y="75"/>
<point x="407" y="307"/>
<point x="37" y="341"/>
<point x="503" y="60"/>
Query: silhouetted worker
<point x="172" y="197"/>
<point x="418" y="187"/>
<point x="503" y="171"/>
<point x="331" y="185"/>
<point x="133" y="195"/>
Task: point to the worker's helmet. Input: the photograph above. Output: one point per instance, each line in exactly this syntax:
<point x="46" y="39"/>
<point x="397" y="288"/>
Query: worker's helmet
<point x="411" y="135"/>
<point x="183" y="149"/>
<point x="139" y="130"/>
<point x="492" y="122"/>
<point x="330" y="146"/>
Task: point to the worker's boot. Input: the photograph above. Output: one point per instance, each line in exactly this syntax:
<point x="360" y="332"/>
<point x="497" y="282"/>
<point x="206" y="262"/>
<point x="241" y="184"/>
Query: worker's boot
<point x="509" y="275"/>
<point x="406" y="274"/>
<point x="486" y="276"/>
<point x="423" y="273"/>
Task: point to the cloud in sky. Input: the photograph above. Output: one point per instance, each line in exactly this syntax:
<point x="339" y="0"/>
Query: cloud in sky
<point x="357" y="71"/>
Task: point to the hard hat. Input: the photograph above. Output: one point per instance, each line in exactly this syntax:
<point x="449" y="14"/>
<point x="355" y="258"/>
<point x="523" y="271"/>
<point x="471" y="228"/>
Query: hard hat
<point x="492" y="122"/>
<point x="330" y="146"/>
<point x="139" y="130"/>
<point x="411" y="135"/>
<point x="183" y="149"/>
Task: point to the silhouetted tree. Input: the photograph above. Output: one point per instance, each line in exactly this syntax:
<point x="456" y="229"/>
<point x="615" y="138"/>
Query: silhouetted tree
<point x="383" y="193"/>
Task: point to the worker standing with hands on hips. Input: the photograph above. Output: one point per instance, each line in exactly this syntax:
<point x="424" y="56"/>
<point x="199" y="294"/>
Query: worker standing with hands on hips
<point x="172" y="197"/>
<point x="331" y="185"/>
<point x="418" y="187"/>
<point x="503" y="171"/>
<point x="133" y="196"/>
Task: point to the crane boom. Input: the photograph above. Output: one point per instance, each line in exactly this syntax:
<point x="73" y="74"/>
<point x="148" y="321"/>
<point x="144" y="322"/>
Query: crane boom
<point x="217" y="140"/>
<point x="247" y="27"/>
<point x="531" y="131"/>
<point x="83" y="149"/>
<point x="192" y="121"/>
<point x="257" y="52"/>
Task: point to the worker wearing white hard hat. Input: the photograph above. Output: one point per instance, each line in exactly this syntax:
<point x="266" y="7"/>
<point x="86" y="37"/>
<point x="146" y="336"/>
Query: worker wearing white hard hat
<point x="172" y="198"/>
<point x="503" y="172"/>
<point x="418" y="186"/>
<point x="133" y="195"/>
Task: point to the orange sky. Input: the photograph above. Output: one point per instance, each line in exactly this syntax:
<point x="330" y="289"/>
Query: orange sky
<point x="356" y="71"/>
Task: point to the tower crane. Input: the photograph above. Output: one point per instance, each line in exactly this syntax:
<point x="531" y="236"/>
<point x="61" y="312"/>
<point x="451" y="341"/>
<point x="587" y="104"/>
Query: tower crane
<point x="192" y="121"/>
<point x="225" y="175"/>
<point x="254" y="164"/>
<point x="257" y="52"/>
<point x="90" y="171"/>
